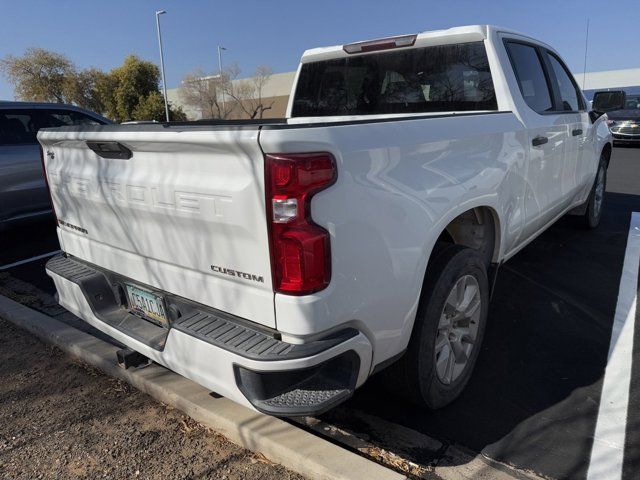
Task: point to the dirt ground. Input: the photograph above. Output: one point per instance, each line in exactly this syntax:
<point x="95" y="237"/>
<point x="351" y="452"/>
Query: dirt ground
<point x="60" y="419"/>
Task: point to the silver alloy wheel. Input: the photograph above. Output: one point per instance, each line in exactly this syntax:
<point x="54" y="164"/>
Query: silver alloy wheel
<point x="458" y="329"/>
<point x="599" y="193"/>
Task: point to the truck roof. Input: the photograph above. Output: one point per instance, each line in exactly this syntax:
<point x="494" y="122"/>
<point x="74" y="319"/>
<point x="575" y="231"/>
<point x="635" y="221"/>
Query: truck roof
<point x="468" y="33"/>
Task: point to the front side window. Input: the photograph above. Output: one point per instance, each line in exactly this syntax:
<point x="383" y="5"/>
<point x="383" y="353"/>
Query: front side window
<point x="431" y="79"/>
<point x="531" y="79"/>
<point x="632" y="102"/>
<point x="570" y="99"/>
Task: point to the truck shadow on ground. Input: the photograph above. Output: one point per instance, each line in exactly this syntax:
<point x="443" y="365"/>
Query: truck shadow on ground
<point x="533" y="399"/>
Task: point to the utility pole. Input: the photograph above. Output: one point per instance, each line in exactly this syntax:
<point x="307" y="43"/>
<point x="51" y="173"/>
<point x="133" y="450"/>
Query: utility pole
<point x="164" y="81"/>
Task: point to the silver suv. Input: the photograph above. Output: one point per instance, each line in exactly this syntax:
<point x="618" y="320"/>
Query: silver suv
<point x="23" y="193"/>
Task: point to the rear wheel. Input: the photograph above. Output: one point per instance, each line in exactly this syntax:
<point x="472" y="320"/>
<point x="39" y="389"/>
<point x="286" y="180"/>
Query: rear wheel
<point x="593" y="213"/>
<point x="448" y="330"/>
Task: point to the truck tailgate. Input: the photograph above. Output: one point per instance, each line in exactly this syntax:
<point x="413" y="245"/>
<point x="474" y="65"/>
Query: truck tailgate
<point x="185" y="213"/>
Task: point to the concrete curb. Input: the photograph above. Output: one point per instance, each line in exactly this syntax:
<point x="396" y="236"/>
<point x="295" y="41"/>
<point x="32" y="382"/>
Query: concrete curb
<point x="277" y="440"/>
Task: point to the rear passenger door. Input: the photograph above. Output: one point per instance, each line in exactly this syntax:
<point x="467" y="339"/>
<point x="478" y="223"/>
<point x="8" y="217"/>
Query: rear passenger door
<point x="23" y="191"/>
<point x="545" y="193"/>
<point x="570" y="104"/>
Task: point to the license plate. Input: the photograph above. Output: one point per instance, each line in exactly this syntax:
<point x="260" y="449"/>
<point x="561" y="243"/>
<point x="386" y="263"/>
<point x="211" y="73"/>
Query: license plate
<point x="146" y="303"/>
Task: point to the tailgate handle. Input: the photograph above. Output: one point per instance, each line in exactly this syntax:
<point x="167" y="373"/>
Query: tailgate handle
<point x="110" y="150"/>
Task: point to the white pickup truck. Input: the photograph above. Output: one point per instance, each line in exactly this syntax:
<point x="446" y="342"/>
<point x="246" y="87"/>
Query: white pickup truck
<point x="282" y="263"/>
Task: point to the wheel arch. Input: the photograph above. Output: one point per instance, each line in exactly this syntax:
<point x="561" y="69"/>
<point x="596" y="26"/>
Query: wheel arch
<point x="477" y="227"/>
<point x="447" y="229"/>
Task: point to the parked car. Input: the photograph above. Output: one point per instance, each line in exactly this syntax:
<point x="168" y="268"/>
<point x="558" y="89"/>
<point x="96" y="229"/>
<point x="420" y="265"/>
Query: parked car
<point x="282" y="263"/>
<point x="625" y="123"/>
<point x="23" y="193"/>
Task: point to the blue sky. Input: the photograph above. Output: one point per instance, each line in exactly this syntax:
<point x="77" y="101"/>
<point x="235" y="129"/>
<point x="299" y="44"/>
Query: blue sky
<point x="276" y="32"/>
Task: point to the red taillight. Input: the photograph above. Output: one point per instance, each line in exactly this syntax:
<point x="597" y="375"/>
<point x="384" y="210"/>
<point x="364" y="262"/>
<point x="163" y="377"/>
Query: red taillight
<point x="46" y="182"/>
<point x="300" y="249"/>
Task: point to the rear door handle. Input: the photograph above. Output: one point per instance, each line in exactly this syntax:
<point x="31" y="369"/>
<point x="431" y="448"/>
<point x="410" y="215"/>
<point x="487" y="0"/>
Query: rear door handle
<point x="539" y="140"/>
<point x="576" y="132"/>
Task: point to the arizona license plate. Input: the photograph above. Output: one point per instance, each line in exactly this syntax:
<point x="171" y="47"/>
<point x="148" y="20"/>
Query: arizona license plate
<point x="146" y="303"/>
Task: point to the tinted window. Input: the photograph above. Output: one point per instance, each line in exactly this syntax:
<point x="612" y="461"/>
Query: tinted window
<point x="569" y="97"/>
<point x="432" y="79"/>
<point x="530" y="75"/>
<point x="61" y="118"/>
<point x="20" y="126"/>
<point x="632" y="102"/>
<point x="17" y="127"/>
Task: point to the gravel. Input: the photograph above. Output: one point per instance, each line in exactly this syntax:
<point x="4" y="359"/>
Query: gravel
<point x="61" y="419"/>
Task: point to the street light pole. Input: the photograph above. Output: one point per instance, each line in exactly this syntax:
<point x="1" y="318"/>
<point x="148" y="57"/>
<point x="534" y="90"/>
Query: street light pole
<point x="220" y="73"/>
<point x="220" y="59"/>
<point x="586" y="46"/>
<point x="164" y="82"/>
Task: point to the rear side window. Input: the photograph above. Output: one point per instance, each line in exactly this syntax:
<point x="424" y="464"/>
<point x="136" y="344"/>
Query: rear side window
<point x="531" y="78"/>
<point x="20" y="126"/>
<point x="61" y="118"/>
<point x="570" y="99"/>
<point x="17" y="127"/>
<point x="430" y="79"/>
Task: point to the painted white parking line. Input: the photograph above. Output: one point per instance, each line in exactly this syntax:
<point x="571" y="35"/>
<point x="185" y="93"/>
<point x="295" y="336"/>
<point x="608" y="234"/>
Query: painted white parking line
<point x="608" y="443"/>
<point x="28" y="260"/>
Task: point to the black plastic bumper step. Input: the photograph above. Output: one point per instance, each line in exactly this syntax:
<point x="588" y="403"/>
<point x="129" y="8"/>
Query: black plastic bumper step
<point x="308" y="391"/>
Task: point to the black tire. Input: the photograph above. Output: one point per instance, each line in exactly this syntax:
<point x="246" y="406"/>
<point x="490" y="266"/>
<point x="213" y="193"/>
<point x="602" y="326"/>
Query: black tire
<point x="414" y="376"/>
<point x="593" y="213"/>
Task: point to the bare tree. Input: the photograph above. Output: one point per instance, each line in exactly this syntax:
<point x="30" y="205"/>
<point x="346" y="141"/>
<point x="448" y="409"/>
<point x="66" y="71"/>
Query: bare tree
<point x="206" y="93"/>
<point x="248" y="94"/>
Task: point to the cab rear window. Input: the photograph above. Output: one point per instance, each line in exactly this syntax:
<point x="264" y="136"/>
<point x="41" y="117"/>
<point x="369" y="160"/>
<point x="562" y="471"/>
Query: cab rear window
<point x="430" y="79"/>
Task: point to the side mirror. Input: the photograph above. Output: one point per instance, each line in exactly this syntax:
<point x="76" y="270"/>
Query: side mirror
<point x="604" y="102"/>
<point x="608" y="101"/>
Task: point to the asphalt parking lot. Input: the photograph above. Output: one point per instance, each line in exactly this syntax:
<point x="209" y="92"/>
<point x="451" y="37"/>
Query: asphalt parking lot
<point x="534" y="399"/>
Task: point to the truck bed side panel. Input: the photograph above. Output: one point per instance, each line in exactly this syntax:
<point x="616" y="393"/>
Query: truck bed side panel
<point x="399" y="184"/>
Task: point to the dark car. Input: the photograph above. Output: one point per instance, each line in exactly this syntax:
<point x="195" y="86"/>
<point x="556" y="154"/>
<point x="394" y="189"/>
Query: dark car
<point x="23" y="192"/>
<point x="625" y="124"/>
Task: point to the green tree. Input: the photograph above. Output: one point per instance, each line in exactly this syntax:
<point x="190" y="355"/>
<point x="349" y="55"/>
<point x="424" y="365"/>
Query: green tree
<point x="130" y="92"/>
<point x="151" y="107"/>
<point x="43" y="76"/>
<point x="83" y="89"/>
<point x="39" y="75"/>
<point x="135" y="80"/>
<point x="127" y="92"/>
